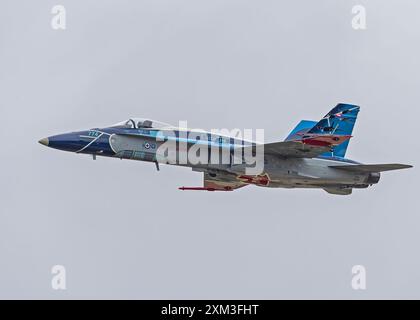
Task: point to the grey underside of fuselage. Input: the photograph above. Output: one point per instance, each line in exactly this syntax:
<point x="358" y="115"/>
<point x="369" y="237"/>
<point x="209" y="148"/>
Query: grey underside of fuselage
<point x="282" y="172"/>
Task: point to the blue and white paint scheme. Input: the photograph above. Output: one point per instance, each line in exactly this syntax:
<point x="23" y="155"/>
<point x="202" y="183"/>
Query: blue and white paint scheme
<point x="312" y="155"/>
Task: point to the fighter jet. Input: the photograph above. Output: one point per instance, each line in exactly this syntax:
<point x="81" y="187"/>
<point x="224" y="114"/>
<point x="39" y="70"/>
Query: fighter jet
<point x="311" y="156"/>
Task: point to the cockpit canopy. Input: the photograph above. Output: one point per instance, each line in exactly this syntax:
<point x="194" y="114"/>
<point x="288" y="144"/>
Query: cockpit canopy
<point x="141" y="123"/>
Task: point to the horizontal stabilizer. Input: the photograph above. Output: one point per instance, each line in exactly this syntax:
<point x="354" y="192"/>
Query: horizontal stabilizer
<point x="372" y="167"/>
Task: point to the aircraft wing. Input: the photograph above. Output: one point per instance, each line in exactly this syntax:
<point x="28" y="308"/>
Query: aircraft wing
<point x="308" y="146"/>
<point x="372" y="167"/>
<point x="218" y="182"/>
<point x="294" y="149"/>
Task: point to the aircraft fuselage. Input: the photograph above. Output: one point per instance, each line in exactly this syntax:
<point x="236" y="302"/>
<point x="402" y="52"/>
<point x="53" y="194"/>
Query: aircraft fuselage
<point x="142" y="144"/>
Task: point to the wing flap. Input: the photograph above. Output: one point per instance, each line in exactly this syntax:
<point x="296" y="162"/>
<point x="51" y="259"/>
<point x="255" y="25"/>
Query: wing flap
<point x="372" y="167"/>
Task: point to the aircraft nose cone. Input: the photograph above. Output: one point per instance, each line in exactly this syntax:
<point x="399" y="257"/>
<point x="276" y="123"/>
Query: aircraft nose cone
<point x="44" y="142"/>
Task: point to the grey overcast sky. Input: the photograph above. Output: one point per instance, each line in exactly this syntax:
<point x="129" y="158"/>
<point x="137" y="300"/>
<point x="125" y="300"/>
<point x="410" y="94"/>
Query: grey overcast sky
<point x="123" y="230"/>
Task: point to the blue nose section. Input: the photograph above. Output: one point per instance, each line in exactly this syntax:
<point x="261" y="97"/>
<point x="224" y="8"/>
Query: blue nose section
<point x="67" y="142"/>
<point x="90" y="142"/>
